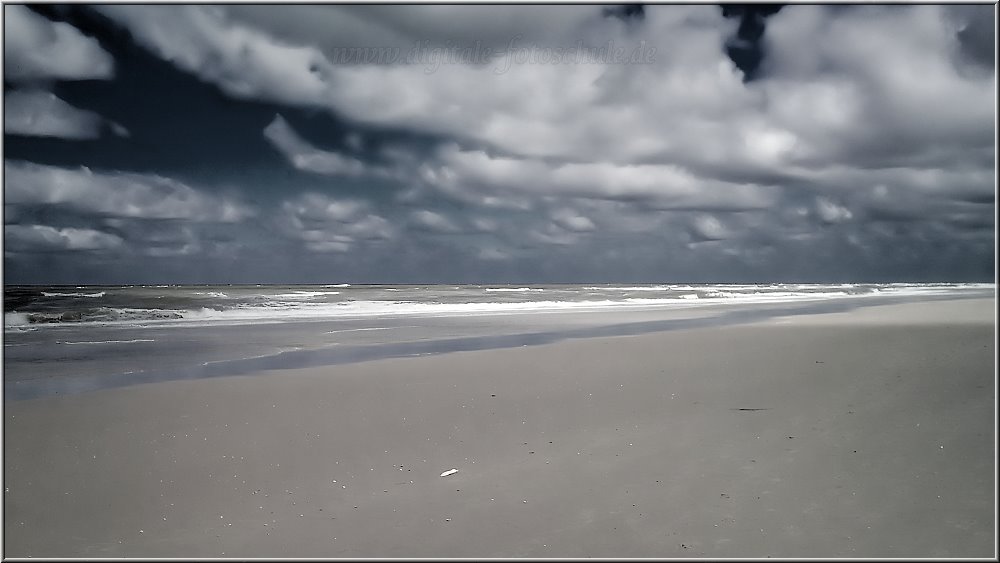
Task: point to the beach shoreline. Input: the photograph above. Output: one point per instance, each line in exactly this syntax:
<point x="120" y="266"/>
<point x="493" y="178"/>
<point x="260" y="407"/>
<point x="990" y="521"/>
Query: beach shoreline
<point x="865" y="433"/>
<point x="70" y="358"/>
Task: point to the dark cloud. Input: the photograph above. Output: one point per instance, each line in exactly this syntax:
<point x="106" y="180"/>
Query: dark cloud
<point x="745" y="48"/>
<point x="626" y="12"/>
<point x="977" y="33"/>
<point x="188" y="143"/>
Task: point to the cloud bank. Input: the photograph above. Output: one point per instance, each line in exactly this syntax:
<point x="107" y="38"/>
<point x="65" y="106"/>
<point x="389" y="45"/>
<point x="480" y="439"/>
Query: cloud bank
<point x="861" y="147"/>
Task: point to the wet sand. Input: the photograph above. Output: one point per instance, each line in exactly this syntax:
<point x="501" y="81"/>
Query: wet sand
<point x="861" y="434"/>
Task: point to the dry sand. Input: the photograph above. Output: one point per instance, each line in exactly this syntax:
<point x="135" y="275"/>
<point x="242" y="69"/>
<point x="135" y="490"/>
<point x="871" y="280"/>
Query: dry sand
<point x="875" y="438"/>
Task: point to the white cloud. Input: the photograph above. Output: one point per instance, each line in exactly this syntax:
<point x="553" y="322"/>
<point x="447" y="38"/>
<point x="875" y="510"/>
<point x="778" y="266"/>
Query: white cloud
<point x="42" y="238"/>
<point x="498" y="181"/>
<point x="485" y="225"/>
<point x="493" y="253"/>
<point x="331" y="27"/>
<point x="835" y="81"/>
<point x="119" y="129"/>
<point x="306" y="157"/>
<point x="662" y="185"/>
<point x="116" y="194"/>
<point x="531" y="109"/>
<point x="572" y="221"/>
<point x="873" y="79"/>
<point x="564" y="110"/>
<point x="38" y="49"/>
<point x="242" y="61"/>
<point x="435" y="222"/>
<point x="185" y="249"/>
<point x="830" y="212"/>
<point x="169" y="238"/>
<point x="313" y="207"/>
<point x="38" y="113"/>
<point x="552" y="234"/>
<point x="327" y="224"/>
<point x="707" y="227"/>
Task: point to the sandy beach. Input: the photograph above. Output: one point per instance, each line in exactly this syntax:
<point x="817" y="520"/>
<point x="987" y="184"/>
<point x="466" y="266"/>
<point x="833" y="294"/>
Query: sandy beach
<point x="867" y="433"/>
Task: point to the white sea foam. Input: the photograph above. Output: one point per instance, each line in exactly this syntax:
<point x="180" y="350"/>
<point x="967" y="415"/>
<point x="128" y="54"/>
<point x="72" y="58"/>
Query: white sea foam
<point x="363" y="309"/>
<point x="48" y="294"/>
<point x="772" y="296"/>
<point x="513" y="289"/>
<point x="304" y="311"/>
<point x="15" y="319"/>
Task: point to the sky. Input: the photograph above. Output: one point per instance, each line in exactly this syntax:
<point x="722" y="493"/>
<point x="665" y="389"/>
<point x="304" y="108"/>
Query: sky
<point x="150" y="144"/>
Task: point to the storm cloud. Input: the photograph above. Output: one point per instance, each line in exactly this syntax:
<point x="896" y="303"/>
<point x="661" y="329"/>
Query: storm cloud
<point x="193" y="143"/>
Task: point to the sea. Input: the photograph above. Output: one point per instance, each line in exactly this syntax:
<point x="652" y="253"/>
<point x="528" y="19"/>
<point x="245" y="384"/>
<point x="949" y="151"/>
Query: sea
<point x="69" y="339"/>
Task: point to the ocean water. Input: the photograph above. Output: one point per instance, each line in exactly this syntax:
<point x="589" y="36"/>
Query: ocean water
<point x="28" y="307"/>
<point x="68" y="339"/>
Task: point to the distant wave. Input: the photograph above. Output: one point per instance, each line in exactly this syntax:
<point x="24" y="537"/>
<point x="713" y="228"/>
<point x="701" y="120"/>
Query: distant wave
<point x="637" y="288"/>
<point x="98" y="294"/>
<point x="109" y="341"/>
<point x="304" y="294"/>
<point x="516" y="289"/>
<point x="100" y="314"/>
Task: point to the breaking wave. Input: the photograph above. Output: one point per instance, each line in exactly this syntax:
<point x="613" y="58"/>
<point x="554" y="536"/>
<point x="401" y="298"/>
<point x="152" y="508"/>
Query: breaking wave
<point x="179" y="305"/>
